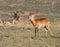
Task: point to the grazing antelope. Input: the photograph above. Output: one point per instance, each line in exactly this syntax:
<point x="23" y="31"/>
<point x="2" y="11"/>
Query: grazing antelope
<point x="9" y="21"/>
<point x="38" y="23"/>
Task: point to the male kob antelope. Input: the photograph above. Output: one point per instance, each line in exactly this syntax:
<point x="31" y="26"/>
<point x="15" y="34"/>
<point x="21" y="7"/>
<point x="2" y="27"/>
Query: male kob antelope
<point x="38" y="23"/>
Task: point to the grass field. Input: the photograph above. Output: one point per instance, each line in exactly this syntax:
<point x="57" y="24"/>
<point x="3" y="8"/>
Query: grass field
<point x="22" y="34"/>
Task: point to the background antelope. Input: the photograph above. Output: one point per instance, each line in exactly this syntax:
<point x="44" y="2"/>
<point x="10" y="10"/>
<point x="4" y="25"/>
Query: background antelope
<point x="8" y="21"/>
<point x="38" y="23"/>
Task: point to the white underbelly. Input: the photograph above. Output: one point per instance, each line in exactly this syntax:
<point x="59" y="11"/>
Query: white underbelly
<point x="42" y="26"/>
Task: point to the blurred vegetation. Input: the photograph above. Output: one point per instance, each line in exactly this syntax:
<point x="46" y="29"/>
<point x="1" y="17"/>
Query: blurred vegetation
<point x="23" y="36"/>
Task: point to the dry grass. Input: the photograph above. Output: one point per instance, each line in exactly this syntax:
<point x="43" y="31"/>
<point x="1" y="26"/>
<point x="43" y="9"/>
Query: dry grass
<point x="22" y="33"/>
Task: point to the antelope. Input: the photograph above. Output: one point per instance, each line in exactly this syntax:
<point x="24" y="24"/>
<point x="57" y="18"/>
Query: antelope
<point x="38" y="23"/>
<point x="9" y="21"/>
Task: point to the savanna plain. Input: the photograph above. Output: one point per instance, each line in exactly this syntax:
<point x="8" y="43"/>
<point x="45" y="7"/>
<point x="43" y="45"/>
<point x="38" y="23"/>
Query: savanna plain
<point x="22" y="33"/>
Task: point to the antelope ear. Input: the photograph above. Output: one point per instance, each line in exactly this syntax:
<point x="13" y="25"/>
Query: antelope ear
<point x="31" y="13"/>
